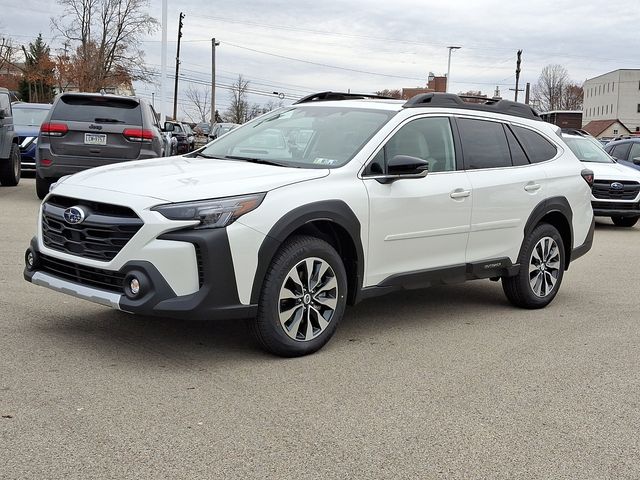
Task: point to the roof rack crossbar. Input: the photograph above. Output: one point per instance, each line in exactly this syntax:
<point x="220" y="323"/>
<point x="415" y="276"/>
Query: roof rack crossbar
<point x="328" y="96"/>
<point x="449" y="100"/>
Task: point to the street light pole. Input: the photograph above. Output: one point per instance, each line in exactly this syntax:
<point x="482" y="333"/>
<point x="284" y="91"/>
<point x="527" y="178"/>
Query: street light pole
<point x="214" y="43"/>
<point x="449" y="66"/>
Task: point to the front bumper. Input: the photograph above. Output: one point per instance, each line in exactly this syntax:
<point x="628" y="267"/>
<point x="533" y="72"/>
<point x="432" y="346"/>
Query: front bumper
<point x="603" y="208"/>
<point x="217" y="297"/>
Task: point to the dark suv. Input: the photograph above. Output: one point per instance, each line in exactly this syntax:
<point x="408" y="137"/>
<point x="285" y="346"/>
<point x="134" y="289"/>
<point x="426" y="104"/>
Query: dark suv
<point x="626" y="151"/>
<point x="9" y="150"/>
<point x="86" y="130"/>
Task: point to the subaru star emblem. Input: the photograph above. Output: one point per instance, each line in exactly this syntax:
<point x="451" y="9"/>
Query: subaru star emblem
<point x="617" y="186"/>
<point x="74" y="215"/>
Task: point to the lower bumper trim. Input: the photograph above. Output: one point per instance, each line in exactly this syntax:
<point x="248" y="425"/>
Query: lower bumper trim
<point x="95" y="295"/>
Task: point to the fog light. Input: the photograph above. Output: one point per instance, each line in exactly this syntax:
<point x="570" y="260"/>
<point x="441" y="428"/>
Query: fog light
<point x="30" y="259"/>
<point x="134" y="286"/>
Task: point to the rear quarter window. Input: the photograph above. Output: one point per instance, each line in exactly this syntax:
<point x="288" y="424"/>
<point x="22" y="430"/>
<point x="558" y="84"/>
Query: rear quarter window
<point x="538" y="148"/>
<point x="99" y="109"/>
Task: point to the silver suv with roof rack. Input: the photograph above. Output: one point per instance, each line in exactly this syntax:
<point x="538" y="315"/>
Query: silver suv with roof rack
<point x="291" y="217"/>
<point x="9" y="146"/>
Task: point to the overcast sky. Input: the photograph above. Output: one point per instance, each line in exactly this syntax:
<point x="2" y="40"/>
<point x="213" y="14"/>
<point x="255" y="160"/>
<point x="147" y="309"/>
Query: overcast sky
<point x="370" y="45"/>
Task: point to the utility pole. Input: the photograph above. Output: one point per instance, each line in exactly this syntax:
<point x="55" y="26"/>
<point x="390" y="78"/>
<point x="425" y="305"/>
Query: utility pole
<point x="517" y="76"/>
<point x="526" y="93"/>
<point x="163" y="64"/>
<point x="449" y="67"/>
<point x="175" y="89"/>
<point x="214" y="43"/>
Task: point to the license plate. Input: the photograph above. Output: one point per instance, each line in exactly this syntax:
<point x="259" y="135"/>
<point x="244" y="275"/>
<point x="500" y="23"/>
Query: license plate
<point x="95" y="138"/>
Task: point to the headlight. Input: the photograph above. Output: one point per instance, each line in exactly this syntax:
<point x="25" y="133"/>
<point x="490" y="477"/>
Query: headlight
<point x="215" y="213"/>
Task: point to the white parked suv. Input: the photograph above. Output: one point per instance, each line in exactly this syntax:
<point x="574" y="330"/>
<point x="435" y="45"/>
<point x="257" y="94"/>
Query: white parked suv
<point x="616" y="187"/>
<point x="311" y="207"/>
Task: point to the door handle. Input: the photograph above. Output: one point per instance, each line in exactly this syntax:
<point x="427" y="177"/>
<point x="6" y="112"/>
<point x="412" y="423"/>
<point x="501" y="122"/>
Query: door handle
<point x="532" y="187"/>
<point x="460" y="193"/>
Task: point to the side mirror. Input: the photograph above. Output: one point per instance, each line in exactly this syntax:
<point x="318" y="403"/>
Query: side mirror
<point x="403" y="166"/>
<point x="3" y="113"/>
<point x="168" y="127"/>
<point x="636" y="160"/>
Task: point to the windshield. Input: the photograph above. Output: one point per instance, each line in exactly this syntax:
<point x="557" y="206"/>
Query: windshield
<point x="588" y="150"/>
<point x="309" y="137"/>
<point x="28" y="117"/>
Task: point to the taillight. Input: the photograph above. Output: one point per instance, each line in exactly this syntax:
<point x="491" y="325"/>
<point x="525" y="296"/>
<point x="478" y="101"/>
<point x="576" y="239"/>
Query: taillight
<point x="52" y="129"/>
<point x="45" y="162"/>
<point x="588" y="176"/>
<point x="138" y="135"/>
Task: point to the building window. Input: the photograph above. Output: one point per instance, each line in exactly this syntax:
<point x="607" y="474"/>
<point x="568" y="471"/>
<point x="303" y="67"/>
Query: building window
<point x="639" y="108"/>
<point x="607" y="112"/>
<point x="637" y="129"/>
<point x="613" y="86"/>
<point x="615" y="131"/>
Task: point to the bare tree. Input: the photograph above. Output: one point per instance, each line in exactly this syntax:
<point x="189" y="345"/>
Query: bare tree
<point x="199" y="108"/>
<point x="547" y="91"/>
<point x="239" y="109"/>
<point x="395" y="93"/>
<point x="572" y="96"/>
<point x="106" y="37"/>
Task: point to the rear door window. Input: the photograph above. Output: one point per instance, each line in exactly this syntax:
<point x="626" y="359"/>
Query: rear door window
<point x="538" y="148"/>
<point x="635" y="151"/>
<point x="484" y="144"/>
<point x="99" y="109"/>
<point x="620" y="151"/>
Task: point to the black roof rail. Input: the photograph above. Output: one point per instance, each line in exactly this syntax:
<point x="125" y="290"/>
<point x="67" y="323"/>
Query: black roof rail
<point x="576" y="131"/>
<point x="449" y="100"/>
<point x="328" y="96"/>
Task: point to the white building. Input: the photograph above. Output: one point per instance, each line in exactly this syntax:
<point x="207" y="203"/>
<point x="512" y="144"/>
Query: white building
<point x="613" y="96"/>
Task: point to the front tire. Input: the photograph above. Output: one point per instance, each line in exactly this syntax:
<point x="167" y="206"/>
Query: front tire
<point x="541" y="260"/>
<point x="303" y="298"/>
<point x="625" y="221"/>
<point x="10" y="169"/>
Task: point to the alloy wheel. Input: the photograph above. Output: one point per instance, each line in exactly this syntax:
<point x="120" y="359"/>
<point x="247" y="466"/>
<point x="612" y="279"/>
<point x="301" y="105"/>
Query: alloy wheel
<point x="544" y="266"/>
<point x="308" y="299"/>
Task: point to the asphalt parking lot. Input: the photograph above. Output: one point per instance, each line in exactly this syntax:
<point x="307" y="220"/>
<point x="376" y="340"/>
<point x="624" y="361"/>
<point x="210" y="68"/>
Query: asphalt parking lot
<point x="450" y="382"/>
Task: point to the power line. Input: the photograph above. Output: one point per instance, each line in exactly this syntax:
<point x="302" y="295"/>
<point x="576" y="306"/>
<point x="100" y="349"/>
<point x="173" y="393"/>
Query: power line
<point x="322" y="64"/>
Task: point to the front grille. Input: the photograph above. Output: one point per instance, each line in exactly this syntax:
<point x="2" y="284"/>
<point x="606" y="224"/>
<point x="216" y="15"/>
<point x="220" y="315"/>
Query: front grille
<point x="83" y="275"/>
<point x="104" y="231"/>
<point x="602" y="189"/>
<point x="614" y="206"/>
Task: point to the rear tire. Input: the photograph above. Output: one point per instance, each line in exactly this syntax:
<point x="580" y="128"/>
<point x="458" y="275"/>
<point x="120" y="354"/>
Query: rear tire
<point x="10" y="168"/>
<point x="541" y="260"/>
<point x="303" y="298"/>
<point x="42" y="186"/>
<point x="625" y="221"/>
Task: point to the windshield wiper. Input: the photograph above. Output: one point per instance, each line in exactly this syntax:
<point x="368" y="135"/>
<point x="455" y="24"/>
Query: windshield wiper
<point x="256" y="160"/>
<point x="107" y="120"/>
<point x="204" y="155"/>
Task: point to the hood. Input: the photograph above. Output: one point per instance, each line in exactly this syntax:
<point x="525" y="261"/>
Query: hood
<point x="182" y="179"/>
<point x="612" y="171"/>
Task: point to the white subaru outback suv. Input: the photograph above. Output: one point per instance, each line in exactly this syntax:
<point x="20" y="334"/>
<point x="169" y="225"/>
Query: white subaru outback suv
<point x="337" y="198"/>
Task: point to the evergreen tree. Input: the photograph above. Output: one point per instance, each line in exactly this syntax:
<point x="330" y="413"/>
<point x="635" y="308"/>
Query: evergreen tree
<point x="38" y="79"/>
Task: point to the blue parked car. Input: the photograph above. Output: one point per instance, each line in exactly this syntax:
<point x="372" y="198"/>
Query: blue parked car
<point x="27" y="118"/>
